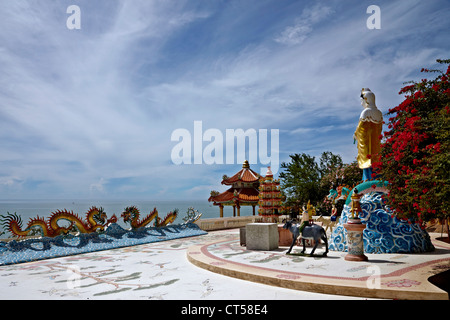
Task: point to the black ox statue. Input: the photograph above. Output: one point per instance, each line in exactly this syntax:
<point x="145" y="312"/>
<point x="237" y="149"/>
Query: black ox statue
<point x="312" y="231"/>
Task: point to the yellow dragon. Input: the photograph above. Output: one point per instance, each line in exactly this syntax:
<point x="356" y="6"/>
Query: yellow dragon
<point x="96" y="220"/>
<point x="131" y="215"/>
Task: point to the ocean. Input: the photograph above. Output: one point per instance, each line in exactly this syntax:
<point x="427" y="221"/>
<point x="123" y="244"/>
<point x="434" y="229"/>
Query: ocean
<point x="27" y="209"/>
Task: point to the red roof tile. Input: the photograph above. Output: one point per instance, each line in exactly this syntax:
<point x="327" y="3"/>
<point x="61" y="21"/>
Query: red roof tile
<point x="242" y="194"/>
<point x="245" y="175"/>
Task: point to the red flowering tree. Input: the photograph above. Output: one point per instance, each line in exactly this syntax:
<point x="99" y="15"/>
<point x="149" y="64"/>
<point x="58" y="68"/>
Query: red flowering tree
<point x="415" y="151"/>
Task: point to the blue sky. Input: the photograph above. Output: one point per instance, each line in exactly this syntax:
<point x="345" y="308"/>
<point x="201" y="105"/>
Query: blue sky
<point x="89" y="113"/>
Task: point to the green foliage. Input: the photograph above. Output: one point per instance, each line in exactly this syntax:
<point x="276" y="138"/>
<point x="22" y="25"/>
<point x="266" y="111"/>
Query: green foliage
<point x="341" y="175"/>
<point x="301" y="178"/>
<point x="305" y="179"/>
<point x="415" y="156"/>
<point x="351" y="175"/>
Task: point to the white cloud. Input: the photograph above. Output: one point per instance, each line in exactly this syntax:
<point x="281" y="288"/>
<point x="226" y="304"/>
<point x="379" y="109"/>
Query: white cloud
<point x="93" y="110"/>
<point x="304" y="25"/>
<point x="97" y="186"/>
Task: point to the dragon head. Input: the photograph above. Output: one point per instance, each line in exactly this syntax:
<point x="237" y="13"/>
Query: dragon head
<point x="333" y="194"/>
<point x="343" y="192"/>
<point x="130" y="214"/>
<point x="99" y="215"/>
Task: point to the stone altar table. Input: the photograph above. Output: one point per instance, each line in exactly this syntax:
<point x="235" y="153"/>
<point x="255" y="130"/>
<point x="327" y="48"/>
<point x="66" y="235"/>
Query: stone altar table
<point x="261" y="236"/>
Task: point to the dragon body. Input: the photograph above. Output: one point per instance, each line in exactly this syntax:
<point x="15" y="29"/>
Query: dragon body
<point x="96" y="220"/>
<point x="131" y="215"/>
<point x="169" y="218"/>
<point x="368" y="187"/>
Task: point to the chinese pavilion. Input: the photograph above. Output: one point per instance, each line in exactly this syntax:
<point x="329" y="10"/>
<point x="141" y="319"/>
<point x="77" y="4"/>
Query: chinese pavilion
<point x="270" y="197"/>
<point x="243" y="191"/>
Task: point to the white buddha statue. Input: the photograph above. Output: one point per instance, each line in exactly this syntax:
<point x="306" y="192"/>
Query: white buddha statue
<point x="368" y="133"/>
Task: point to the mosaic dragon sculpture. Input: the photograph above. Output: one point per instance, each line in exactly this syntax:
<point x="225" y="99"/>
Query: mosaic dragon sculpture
<point x="384" y="232"/>
<point x="96" y="220"/>
<point x="131" y="215"/>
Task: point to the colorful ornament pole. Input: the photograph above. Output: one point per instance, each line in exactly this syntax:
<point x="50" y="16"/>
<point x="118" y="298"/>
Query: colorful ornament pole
<point x="355" y="228"/>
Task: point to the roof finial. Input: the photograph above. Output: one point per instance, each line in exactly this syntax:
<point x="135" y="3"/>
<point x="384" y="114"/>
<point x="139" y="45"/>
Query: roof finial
<point x="245" y="165"/>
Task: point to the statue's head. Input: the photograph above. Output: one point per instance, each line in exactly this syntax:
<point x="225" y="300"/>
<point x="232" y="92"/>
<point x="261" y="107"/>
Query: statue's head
<point x="367" y="98"/>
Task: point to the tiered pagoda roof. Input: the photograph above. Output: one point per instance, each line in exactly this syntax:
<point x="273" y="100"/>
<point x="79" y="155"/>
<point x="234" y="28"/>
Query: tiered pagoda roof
<point x="246" y="175"/>
<point x="244" y="190"/>
<point x="269" y="195"/>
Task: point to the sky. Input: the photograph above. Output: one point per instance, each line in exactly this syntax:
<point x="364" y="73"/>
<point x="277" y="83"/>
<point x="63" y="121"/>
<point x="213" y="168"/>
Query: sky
<point x="89" y="103"/>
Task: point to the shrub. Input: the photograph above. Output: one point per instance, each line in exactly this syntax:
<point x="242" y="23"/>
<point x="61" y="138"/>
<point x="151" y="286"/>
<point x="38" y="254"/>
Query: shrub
<point x="415" y="153"/>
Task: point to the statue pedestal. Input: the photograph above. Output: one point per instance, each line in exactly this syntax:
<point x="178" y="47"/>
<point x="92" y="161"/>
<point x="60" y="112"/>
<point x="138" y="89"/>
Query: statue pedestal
<point x="355" y="241"/>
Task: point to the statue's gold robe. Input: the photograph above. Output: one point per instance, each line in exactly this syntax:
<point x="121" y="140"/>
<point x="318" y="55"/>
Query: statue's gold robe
<point x="367" y="135"/>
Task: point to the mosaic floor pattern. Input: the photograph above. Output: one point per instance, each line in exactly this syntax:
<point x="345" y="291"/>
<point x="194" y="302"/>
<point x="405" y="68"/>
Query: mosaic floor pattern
<point x="390" y="276"/>
<point x="153" y="271"/>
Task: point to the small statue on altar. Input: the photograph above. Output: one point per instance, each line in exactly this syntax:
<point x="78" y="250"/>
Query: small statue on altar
<point x="333" y="213"/>
<point x="355" y="204"/>
<point x="368" y="133"/>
